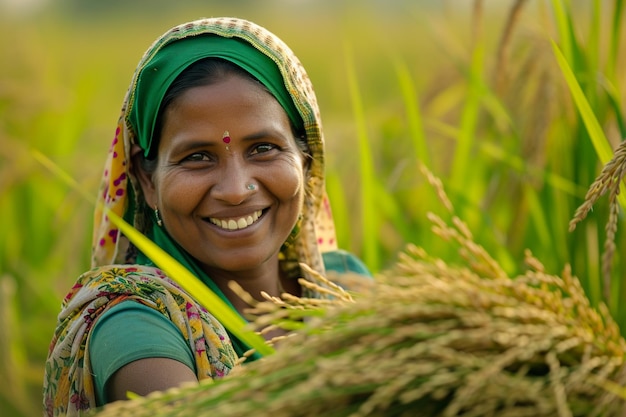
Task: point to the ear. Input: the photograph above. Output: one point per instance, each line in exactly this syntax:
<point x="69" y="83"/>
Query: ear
<point x="144" y="177"/>
<point x="305" y="153"/>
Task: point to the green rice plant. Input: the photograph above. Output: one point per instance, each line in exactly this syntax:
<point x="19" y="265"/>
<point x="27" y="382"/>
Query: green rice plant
<point x="610" y="180"/>
<point x="413" y="114"/>
<point x="369" y="212"/>
<point x="593" y="90"/>
<point x="518" y="159"/>
<point x="12" y="352"/>
<point x="598" y="139"/>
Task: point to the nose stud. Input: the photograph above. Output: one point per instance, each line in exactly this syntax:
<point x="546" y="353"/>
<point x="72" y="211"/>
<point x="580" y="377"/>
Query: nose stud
<point x="251" y="187"/>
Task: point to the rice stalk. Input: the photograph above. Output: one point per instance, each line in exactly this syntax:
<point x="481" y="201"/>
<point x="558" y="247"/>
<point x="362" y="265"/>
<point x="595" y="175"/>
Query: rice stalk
<point x="428" y="338"/>
<point x="413" y="113"/>
<point x="500" y="67"/>
<point x="13" y="363"/>
<point x="369" y="217"/>
<point x="597" y="136"/>
<point x="567" y="40"/>
<point x="460" y="171"/>
<point x="609" y="180"/>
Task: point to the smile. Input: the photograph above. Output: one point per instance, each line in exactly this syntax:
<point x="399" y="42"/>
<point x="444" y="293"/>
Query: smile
<point x="237" y="224"/>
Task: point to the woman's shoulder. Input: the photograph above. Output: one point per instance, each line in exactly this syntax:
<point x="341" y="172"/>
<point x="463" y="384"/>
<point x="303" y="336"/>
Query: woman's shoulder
<point x="117" y="277"/>
<point x="121" y="271"/>
<point x="106" y="282"/>
<point x="342" y="262"/>
<point x="348" y="271"/>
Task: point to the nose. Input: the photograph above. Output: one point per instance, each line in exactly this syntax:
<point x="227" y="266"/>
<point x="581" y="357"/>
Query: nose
<point x="233" y="180"/>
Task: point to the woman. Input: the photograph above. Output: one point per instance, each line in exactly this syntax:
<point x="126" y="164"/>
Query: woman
<point x="218" y="158"/>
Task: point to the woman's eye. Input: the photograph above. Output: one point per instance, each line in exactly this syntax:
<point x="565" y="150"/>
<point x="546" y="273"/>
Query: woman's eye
<point x="262" y="148"/>
<point x="198" y="156"/>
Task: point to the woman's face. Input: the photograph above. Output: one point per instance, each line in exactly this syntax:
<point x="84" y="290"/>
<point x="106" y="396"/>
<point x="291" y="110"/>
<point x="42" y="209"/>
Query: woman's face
<point x="202" y="185"/>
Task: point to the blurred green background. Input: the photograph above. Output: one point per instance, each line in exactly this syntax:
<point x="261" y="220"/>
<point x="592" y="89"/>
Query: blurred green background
<point x="471" y="89"/>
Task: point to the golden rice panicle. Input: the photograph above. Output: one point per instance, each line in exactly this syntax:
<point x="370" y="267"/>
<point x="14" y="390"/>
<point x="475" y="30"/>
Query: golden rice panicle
<point x="610" y="179"/>
<point x="431" y="338"/>
<point x="435" y="182"/>
<point x="477" y="257"/>
<point x="288" y="311"/>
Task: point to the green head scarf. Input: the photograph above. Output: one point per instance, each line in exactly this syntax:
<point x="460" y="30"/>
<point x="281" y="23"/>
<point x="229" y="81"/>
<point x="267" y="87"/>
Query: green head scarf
<point x="170" y="61"/>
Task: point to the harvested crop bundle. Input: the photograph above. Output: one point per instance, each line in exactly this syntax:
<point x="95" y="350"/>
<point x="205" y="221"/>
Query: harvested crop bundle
<point x="427" y="339"/>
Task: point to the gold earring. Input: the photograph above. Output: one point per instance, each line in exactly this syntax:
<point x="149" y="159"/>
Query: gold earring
<point x="158" y="217"/>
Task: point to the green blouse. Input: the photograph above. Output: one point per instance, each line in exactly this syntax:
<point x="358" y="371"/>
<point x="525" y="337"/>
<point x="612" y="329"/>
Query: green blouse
<point x="131" y="331"/>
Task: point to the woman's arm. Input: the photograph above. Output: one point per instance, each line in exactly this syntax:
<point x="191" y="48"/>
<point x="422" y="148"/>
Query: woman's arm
<point x="144" y="376"/>
<point x="135" y="348"/>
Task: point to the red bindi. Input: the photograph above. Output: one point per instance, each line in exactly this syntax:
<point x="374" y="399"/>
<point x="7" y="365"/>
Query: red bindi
<point x="226" y="137"/>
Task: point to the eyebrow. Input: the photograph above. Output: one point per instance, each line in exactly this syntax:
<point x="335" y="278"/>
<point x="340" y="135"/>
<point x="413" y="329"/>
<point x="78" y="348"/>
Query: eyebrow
<point x="189" y="144"/>
<point x="266" y="133"/>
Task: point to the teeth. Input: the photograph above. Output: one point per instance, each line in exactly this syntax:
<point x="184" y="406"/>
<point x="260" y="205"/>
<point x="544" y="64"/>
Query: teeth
<point x="235" y="224"/>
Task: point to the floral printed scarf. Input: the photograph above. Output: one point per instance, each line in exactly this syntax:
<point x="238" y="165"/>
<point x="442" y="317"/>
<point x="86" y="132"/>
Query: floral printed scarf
<point x="69" y="385"/>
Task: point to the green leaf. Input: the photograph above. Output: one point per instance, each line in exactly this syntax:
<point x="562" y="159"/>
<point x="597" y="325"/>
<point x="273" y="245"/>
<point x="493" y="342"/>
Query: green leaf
<point x="369" y="219"/>
<point x="598" y="138"/>
<point x="413" y="113"/>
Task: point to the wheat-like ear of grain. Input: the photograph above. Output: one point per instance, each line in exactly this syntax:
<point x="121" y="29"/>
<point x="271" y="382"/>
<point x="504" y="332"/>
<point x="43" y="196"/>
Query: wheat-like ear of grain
<point x="610" y="179"/>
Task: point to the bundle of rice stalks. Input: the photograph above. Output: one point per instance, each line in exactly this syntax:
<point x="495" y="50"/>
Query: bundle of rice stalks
<point x="427" y="339"/>
<point x="431" y="339"/>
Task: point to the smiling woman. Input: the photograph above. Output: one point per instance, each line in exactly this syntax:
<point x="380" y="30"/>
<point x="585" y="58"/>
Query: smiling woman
<point x="218" y="158"/>
<point x="200" y="183"/>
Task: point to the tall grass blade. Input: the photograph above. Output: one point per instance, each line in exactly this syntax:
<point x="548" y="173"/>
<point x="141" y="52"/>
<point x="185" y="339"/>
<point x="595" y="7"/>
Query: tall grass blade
<point x="613" y="96"/>
<point x="593" y="45"/>
<point x="612" y="84"/>
<point x="413" y="113"/>
<point x="189" y="282"/>
<point x="616" y="31"/>
<point x="593" y="280"/>
<point x="336" y="194"/>
<point x="13" y="361"/>
<point x="565" y="30"/>
<point x="538" y="216"/>
<point x="469" y="120"/>
<point x="518" y="164"/>
<point x="369" y="217"/>
<point x="61" y="174"/>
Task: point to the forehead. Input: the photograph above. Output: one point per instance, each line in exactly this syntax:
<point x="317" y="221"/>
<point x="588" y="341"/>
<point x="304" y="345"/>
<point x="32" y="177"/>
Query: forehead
<point x="234" y="103"/>
<point x="224" y="96"/>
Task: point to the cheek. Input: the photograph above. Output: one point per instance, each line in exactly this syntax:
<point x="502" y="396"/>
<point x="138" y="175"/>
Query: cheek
<point x="287" y="180"/>
<point x="179" y="193"/>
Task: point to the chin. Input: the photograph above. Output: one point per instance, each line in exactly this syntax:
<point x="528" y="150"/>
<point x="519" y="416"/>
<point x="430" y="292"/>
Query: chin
<point x="248" y="262"/>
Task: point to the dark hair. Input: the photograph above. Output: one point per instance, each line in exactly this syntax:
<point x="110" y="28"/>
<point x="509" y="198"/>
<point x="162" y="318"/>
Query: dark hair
<point x="204" y="72"/>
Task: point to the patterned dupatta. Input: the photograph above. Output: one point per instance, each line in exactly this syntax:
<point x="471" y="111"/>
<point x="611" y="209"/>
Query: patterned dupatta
<point x="115" y="277"/>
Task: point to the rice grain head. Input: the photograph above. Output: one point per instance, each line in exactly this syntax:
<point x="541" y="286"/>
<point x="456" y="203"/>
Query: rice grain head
<point x="427" y="338"/>
<point x="609" y="180"/>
